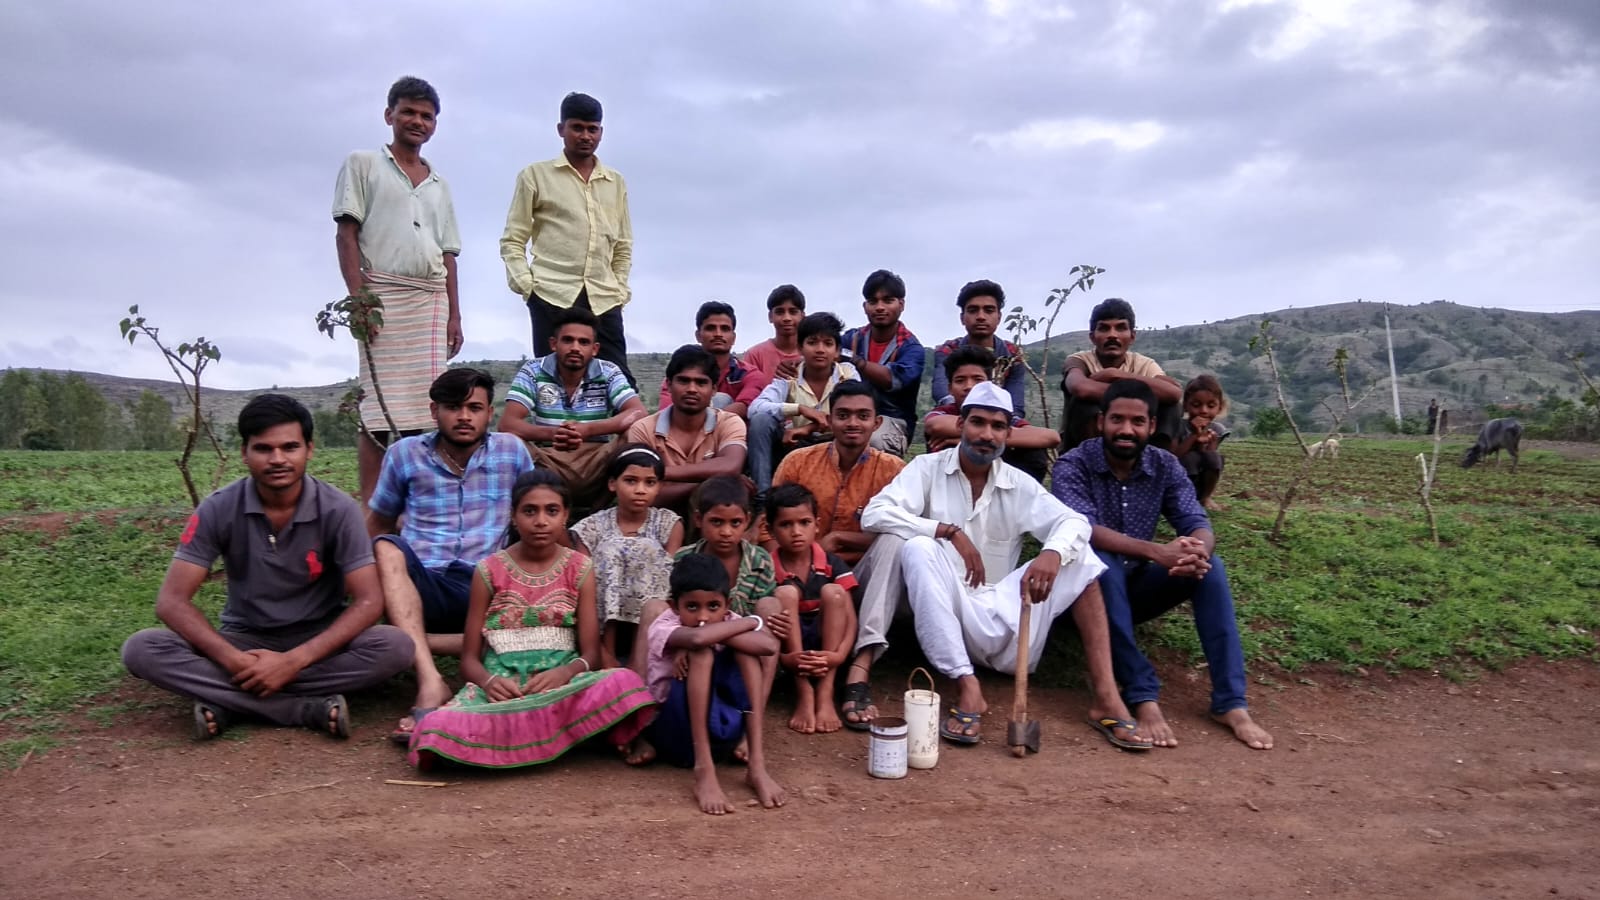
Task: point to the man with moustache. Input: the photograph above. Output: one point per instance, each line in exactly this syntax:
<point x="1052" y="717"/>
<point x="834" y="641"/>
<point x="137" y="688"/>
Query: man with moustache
<point x="1088" y="373"/>
<point x="571" y="212"/>
<point x="738" y="384"/>
<point x="568" y="404"/>
<point x="287" y="643"/>
<point x="1123" y="486"/>
<point x="961" y="514"/>
<point x="889" y="358"/>
<point x="453" y="486"/>
<point x="696" y="440"/>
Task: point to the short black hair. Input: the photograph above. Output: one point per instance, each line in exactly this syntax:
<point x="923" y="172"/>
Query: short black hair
<point x="412" y="88"/>
<point x="1129" y="389"/>
<point x="821" y="323"/>
<point x="635" y="455"/>
<point x="714" y="308"/>
<point x="574" y="316"/>
<point x="697" y="572"/>
<point x="722" y="490"/>
<point x="852" y="388"/>
<point x="968" y="355"/>
<point x="1112" y="308"/>
<point x="270" y="410"/>
<point x="983" y="287"/>
<point x="784" y="496"/>
<point x="454" y="386"/>
<point x="692" y="356"/>
<point x="786" y="293"/>
<point x="582" y="107"/>
<point x="883" y="280"/>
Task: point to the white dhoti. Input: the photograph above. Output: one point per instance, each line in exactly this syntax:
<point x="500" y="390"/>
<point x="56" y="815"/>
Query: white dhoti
<point x="409" y="352"/>
<point x="959" y="625"/>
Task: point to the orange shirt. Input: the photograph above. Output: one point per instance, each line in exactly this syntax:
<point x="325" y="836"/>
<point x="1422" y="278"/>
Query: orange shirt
<point x="840" y="498"/>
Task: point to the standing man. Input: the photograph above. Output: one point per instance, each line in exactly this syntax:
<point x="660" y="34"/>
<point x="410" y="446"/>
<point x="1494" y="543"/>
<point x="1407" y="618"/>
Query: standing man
<point x="453" y="486"/>
<point x="715" y="327"/>
<point x="288" y="644"/>
<point x="567" y="405"/>
<point x="696" y="441"/>
<point x="888" y="357"/>
<point x="961" y="514"/>
<point x="981" y="303"/>
<point x="573" y="210"/>
<point x="396" y="236"/>
<point x="1122" y="487"/>
<point x="1088" y="373"/>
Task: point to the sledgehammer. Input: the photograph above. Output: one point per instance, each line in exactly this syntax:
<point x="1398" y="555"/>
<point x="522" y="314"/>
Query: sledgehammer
<point x="1021" y="734"/>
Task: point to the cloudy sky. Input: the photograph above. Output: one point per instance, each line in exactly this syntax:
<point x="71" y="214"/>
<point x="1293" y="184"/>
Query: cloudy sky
<point x="1217" y="158"/>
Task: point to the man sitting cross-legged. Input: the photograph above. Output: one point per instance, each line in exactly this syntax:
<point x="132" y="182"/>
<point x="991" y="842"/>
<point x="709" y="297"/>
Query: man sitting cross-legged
<point x="695" y="441"/>
<point x="288" y="645"/>
<point x="961" y="513"/>
<point x="453" y="486"/>
<point x="1028" y="446"/>
<point x="843" y="475"/>
<point x="567" y="405"/>
<point x="1123" y="486"/>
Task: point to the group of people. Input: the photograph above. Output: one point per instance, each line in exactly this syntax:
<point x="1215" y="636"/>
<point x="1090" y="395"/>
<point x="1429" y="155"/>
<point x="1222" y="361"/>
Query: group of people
<point x="602" y="570"/>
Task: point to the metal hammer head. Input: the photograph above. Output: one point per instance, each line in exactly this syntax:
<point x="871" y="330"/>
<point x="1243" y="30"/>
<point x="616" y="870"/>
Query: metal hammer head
<point x="1023" y="734"/>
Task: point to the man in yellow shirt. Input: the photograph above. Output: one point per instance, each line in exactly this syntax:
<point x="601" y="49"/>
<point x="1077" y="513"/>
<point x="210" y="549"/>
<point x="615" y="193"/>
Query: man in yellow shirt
<point x="573" y="211"/>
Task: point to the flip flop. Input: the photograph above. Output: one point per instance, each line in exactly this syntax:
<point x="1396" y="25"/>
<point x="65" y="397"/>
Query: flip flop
<point x="315" y="715"/>
<point x="202" y="728"/>
<point x="859" y="695"/>
<point x="402" y="737"/>
<point x="1107" y="726"/>
<point x="966" y="720"/>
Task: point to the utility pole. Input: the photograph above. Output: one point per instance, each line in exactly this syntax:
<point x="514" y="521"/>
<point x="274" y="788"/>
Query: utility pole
<point x="1394" y="380"/>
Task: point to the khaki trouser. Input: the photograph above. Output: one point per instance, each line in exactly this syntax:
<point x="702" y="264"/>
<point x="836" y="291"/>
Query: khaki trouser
<point x="583" y="469"/>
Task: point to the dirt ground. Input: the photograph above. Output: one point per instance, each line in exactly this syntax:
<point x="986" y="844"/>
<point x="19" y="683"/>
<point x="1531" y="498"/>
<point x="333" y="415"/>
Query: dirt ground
<point x="1410" y="787"/>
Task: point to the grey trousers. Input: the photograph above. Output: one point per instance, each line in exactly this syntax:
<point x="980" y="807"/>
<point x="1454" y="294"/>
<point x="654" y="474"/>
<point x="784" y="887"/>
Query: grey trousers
<point x="169" y="662"/>
<point x="883" y="593"/>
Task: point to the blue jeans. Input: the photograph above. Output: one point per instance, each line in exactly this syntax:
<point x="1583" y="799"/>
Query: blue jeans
<point x="763" y="435"/>
<point x="1141" y="592"/>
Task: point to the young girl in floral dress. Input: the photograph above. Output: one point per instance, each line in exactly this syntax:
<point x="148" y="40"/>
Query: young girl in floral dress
<point x="531" y="652"/>
<point x="632" y="545"/>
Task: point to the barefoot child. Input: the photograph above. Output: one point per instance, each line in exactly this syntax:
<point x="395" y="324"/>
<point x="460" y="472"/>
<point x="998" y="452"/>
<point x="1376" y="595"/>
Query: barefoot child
<point x="814" y="589"/>
<point x="1199" y="434"/>
<point x="707" y="666"/>
<point x="632" y="545"/>
<point x="531" y="651"/>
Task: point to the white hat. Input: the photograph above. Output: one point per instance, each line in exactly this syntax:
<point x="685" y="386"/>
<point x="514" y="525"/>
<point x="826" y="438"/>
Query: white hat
<point x="987" y="395"/>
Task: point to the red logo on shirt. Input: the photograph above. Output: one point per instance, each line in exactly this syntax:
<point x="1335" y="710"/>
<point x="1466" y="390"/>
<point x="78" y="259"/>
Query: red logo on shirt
<point x="313" y="564"/>
<point x="189" y="529"/>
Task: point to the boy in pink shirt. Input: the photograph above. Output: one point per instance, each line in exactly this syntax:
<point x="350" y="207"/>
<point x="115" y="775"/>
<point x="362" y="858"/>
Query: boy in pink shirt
<point x="779" y="356"/>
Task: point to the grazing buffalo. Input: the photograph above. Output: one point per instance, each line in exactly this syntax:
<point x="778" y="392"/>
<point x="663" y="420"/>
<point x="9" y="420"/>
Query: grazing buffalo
<point x="1494" y="436"/>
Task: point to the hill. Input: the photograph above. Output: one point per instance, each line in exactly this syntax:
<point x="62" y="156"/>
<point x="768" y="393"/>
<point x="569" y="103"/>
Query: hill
<point x="1465" y="356"/>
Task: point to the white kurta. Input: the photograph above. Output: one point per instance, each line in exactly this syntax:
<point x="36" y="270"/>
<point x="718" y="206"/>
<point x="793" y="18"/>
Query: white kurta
<point x="958" y="625"/>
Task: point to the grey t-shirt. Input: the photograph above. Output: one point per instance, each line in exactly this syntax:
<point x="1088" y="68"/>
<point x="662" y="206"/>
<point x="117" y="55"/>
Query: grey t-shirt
<point x="279" y="580"/>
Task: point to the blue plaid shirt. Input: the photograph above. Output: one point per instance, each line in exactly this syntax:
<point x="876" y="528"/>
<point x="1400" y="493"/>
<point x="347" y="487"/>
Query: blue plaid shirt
<point x="905" y="357"/>
<point x="450" y="516"/>
<point x="1083" y="480"/>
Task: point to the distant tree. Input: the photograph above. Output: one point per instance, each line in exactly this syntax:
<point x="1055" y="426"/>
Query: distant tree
<point x="24" y="410"/>
<point x="334" y="429"/>
<point x="83" y="417"/>
<point x="153" y="427"/>
<point x="1268" y="422"/>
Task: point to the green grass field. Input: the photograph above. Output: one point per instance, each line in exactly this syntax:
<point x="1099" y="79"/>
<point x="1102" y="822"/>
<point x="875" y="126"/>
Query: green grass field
<point x="1356" y="582"/>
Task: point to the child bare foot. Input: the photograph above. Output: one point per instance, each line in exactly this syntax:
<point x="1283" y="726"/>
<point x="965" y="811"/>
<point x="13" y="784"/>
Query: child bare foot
<point x="804" y="719"/>
<point x="769" y="792"/>
<point x="1245" y="729"/>
<point x="708" y="793"/>
<point x="1154" y="725"/>
<point x="741" y="751"/>
<point x="638" y="752"/>
<point x="827" y="720"/>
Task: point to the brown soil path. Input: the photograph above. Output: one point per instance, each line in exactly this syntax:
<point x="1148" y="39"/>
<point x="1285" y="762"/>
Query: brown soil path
<point x="1393" y="788"/>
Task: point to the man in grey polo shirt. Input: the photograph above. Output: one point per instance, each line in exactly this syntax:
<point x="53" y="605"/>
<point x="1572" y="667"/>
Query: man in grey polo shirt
<point x="294" y="547"/>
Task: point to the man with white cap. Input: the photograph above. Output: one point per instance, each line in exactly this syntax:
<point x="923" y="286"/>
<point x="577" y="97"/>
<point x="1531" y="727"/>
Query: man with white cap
<point x="961" y="513"/>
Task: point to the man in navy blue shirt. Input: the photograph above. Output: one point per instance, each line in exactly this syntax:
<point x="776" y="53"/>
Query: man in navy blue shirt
<point x="889" y="358"/>
<point x="1123" y="487"/>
